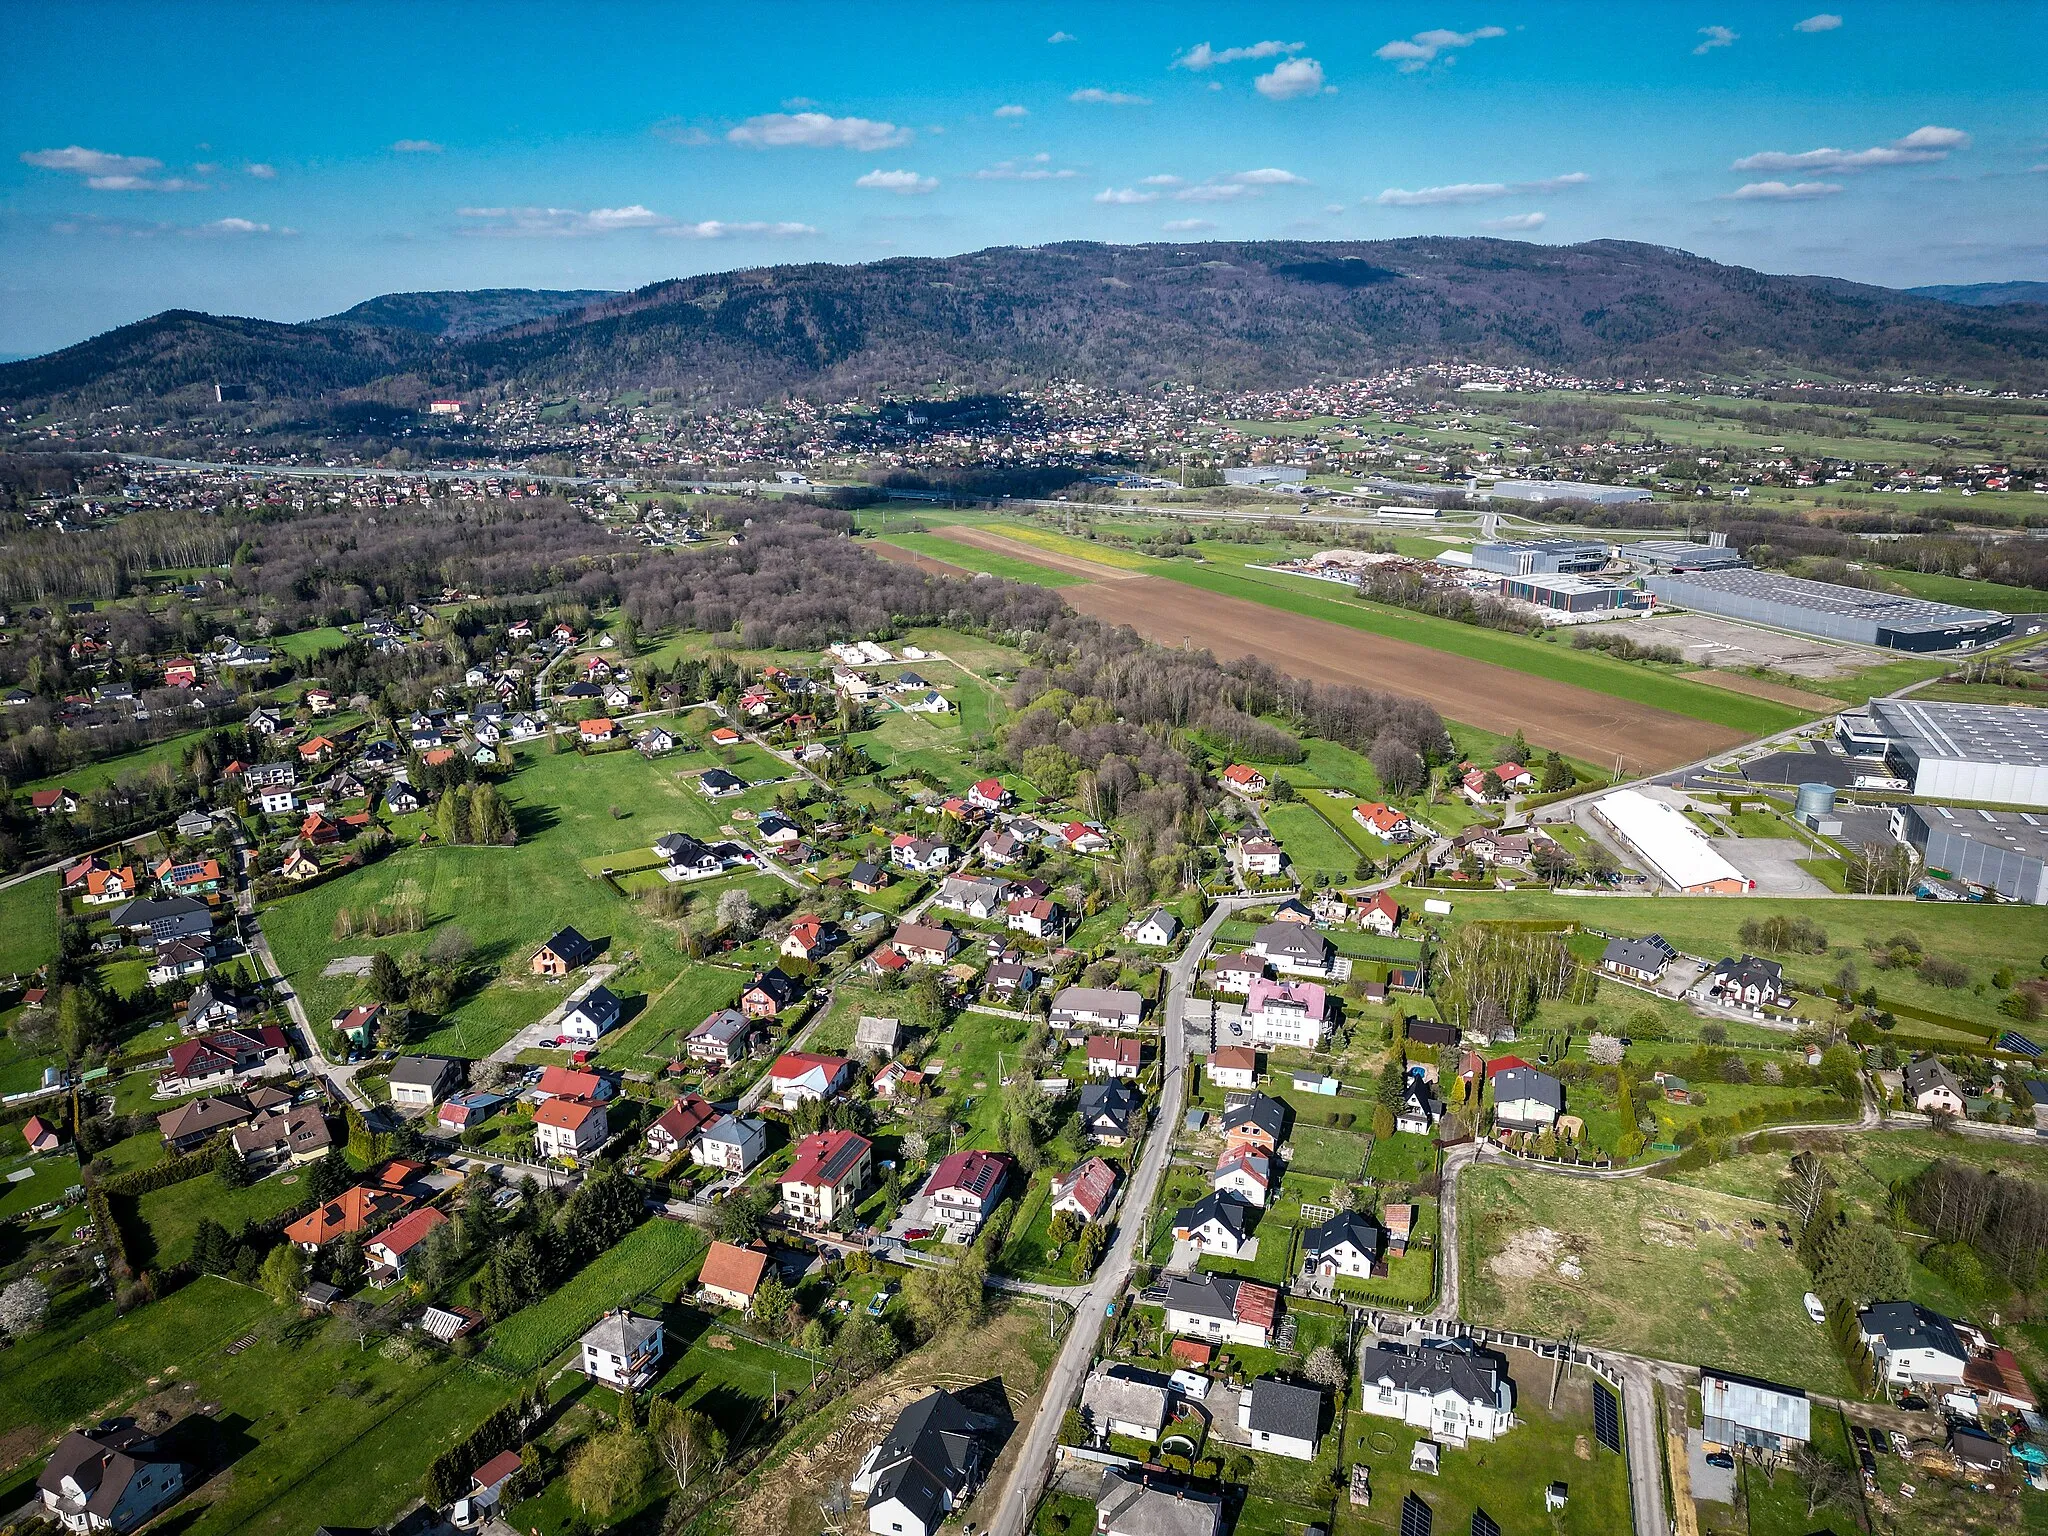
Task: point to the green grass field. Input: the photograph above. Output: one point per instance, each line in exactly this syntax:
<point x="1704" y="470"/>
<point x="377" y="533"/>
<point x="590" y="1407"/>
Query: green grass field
<point x="650" y="1255"/>
<point x="310" y="643"/>
<point x="969" y="558"/>
<point x="1969" y="593"/>
<point x="28" y="925"/>
<point x="88" y="777"/>
<point x="1980" y="938"/>
<point x="1313" y="845"/>
<point x="174" y="1212"/>
<point x="1648" y="1279"/>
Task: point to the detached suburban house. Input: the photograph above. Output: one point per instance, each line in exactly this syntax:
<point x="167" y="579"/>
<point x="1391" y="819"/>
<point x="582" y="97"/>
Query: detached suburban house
<point x="1294" y="947"/>
<point x="1932" y="1089"/>
<point x="1087" y="1190"/>
<point x="925" y="943"/>
<point x="731" y="1143"/>
<point x="570" y="1128"/>
<point x="1525" y="1099"/>
<point x="420" y="1082"/>
<point x="1348" y="1244"/>
<point x="731" y="1274"/>
<point x="1286" y="1013"/>
<point x="1222" y="1309"/>
<point x="1123" y="1400"/>
<point x="563" y="953"/>
<point x="390" y="1249"/>
<point x="721" y="1039"/>
<point x="1233" y="1066"/>
<point x="593" y="1015"/>
<point x="1641" y="959"/>
<point x="677" y="1127"/>
<point x="111" y="1478"/>
<point x="829" y="1175"/>
<point x="1114" y="1056"/>
<point x="623" y="1351"/>
<point x="1281" y="1418"/>
<point x="927" y="1466"/>
<point x="1129" y="1505"/>
<point x="1913" y="1345"/>
<point x="1216" y="1223"/>
<point x="1107" y="1110"/>
<point x="799" y="1075"/>
<point x="1096" y="1007"/>
<point x="1452" y="1391"/>
<point x="965" y="1187"/>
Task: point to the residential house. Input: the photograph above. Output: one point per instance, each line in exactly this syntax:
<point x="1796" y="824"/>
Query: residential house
<point x="1349" y="1244"/>
<point x="1745" y="1413"/>
<point x="721" y="1039"/>
<point x="927" y="1466"/>
<point x="1124" y="1400"/>
<point x="810" y="938"/>
<point x="357" y="1209"/>
<point x="1222" y="1309"/>
<point x="1087" y="1190"/>
<point x="460" y="1111"/>
<point x="732" y="1274"/>
<point x="1259" y="856"/>
<point x="213" y="1006"/>
<point x="677" y="1127"/>
<point x="392" y="1249"/>
<point x="1512" y="777"/>
<point x="1008" y="979"/>
<point x="1259" y="1121"/>
<point x="1748" y="983"/>
<point x="687" y="858"/>
<point x="989" y="795"/>
<point x="593" y="1015"/>
<point x="103" y="887"/>
<point x="1932" y="1089"/>
<point x="193" y="1124"/>
<point x="867" y="877"/>
<point x="1641" y="959"/>
<point x="877" y="1039"/>
<point x="1913" y="1345"/>
<point x="1233" y="1066"/>
<point x="1383" y="822"/>
<point x="216" y="1060"/>
<point x="297" y="1134"/>
<point x="1114" y="1056"/>
<point x="1216" y="1223"/>
<point x="623" y="1351"/>
<point x="918" y="853"/>
<point x="655" y="740"/>
<point x="567" y="1083"/>
<point x="1280" y="1418"/>
<point x="178" y="959"/>
<point x="53" y="802"/>
<point x="1380" y="914"/>
<point x="1245" y="1173"/>
<point x="1525" y="1099"/>
<point x="718" y="784"/>
<point x="1420" y="1108"/>
<point x="1287" y="1012"/>
<point x="800" y="1075"/>
<point x="420" y="1082"/>
<point x="1101" y="1007"/>
<point x="1236" y="973"/>
<point x="732" y="1144"/>
<point x="177" y="917"/>
<point x="1130" y="1504"/>
<point x="1107" y="1112"/>
<point x="1294" y="948"/>
<point x="1083" y="837"/>
<point x="1037" y="916"/>
<point x="1452" y="1391"/>
<point x="1244" y="779"/>
<point x="570" y="1128"/>
<point x="112" y="1478"/>
<point x="39" y="1135"/>
<point x="925" y="943"/>
<point x="1431" y="1033"/>
<point x="965" y="1187"/>
<point x="358" y="1025"/>
<point x="400" y="798"/>
<point x="565" y="952"/>
<point x="596" y="730"/>
<point x="1158" y="928"/>
<point x="828" y="1177"/>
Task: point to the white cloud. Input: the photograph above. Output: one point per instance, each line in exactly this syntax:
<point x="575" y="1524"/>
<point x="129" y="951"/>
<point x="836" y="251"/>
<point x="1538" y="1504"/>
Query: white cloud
<point x="261" y="171"/>
<point x="1061" y="37"/>
<point x="1781" y="192"/>
<point x="1013" y="110"/>
<point x="902" y="183"/>
<point x="1715" y="37"/>
<point x="719" y="229"/>
<point x="1038" y="168"/>
<point x="1429" y="197"/>
<point x="236" y="227"/>
<point x="1922" y="146"/>
<point x="1826" y="21"/>
<point x="90" y="162"/>
<point x="1267" y="176"/>
<point x="143" y="229"/>
<point x="1554" y="183"/>
<point x="1125" y="195"/>
<point x="1214" y="192"/>
<point x="1202" y="56"/>
<point x="1187" y="226"/>
<point x="1518" y="221"/>
<point x="1159" y="181"/>
<point x="417" y="147"/>
<point x="1413" y="53"/>
<point x="143" y="184"/>
<point x="1333" y="207"/>
<point x="560" y="221"/>
<point x="1290" y="79"/>
<point x="1095" y="96"/>
<point x="817" y="130"/>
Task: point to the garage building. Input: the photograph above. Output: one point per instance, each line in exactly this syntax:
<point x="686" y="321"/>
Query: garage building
<point x="1675" y="850"/>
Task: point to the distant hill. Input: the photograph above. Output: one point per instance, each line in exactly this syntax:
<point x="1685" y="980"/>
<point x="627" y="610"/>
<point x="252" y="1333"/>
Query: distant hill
<point x="1981" y="294"/>
<point x="459" y="315"/>
<point x="1232" y="315"/>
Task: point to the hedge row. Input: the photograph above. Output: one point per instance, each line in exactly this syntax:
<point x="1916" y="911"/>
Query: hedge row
<point x="172" y="1170"/>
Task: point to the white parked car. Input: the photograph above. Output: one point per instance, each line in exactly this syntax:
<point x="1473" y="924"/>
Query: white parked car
<point x="1814" y="1308"/>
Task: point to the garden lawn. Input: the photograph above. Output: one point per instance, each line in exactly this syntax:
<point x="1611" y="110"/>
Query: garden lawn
<point x="1649" y="1280"/>
<point x="88" y="777"/>
<point x="174" y="1212"/>
<point x="1313" y="845"/>
<point x="28" y="925"/>
<point x="649" y="1041"/>
<point x="49" y="1175"/>
<point x="968" y="1050"/>
<point x="724" y="1373"/>
<point x="651" y="1254"/>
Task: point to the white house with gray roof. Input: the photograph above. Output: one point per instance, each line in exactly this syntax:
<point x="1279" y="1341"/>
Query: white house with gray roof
<point x="1123" y="1400"/>
<point x="1526" y="1100"/>
<point x="623" y="1350"/>
<point x="1452" y="1390"/>
<point x="1281" y="1418"/>
<point x="1131" y="1505"/>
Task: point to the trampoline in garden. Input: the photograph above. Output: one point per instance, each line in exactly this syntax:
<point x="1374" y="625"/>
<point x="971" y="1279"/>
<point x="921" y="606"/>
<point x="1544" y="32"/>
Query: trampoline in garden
<point x="1379" y="1442"/>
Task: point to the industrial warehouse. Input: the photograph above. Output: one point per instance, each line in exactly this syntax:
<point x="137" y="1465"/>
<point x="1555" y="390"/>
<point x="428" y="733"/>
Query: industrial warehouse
<point x="1829" y="611"/>
<point x="1671" y="848"/>
<point x="1991" y="753"/>
<point x="2002" y="851"/>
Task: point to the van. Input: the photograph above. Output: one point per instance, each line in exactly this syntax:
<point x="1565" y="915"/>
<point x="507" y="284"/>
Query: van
<point x="1814" y="1308"/>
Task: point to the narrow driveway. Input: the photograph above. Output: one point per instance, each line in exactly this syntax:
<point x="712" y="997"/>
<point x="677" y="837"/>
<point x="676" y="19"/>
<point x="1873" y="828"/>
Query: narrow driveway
<point x="549" y="1025"/>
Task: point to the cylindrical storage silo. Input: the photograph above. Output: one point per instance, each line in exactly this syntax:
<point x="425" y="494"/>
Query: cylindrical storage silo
<point x="1815" y="800"/>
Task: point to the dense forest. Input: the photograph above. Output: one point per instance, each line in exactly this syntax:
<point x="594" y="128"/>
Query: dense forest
<point x="1219" y="314"/>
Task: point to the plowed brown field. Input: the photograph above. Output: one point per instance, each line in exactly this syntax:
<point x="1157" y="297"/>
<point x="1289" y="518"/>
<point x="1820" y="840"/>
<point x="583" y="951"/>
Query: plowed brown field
<point x="1590" y="726"/>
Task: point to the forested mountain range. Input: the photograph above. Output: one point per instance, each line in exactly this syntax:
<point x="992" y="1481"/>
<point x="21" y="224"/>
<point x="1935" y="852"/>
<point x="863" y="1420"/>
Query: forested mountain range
<point x="458" y="315"/>
<point x="1220" y="314"/>
<point x="1985" y="293"/>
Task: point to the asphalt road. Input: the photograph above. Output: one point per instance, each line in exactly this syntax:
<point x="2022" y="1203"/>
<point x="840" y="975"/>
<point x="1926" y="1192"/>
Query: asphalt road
<point x="1028" y="1474"/>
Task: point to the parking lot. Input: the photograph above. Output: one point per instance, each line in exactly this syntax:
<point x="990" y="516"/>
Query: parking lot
<point x="1707" y="641"/>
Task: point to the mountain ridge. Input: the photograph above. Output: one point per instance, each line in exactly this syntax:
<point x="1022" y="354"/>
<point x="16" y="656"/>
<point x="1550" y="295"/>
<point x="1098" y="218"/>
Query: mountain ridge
<point x="1226" y="314"/>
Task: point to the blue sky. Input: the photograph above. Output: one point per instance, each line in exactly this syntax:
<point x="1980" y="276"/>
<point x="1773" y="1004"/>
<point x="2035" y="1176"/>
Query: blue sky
<point x="289" y="160"/>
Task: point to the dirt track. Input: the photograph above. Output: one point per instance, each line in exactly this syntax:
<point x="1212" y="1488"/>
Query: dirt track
<point x="1020" y="549"/>
<point x="1587" y="725"/>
